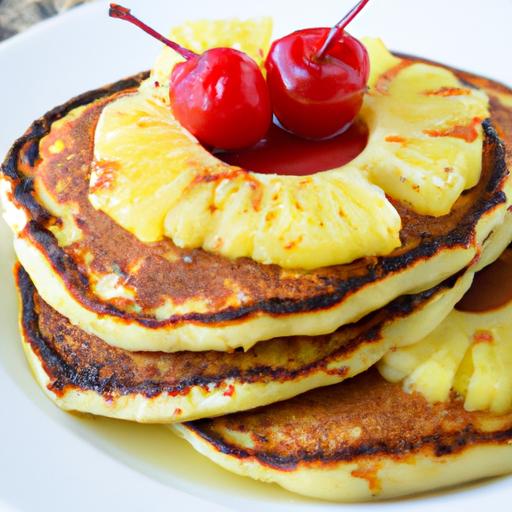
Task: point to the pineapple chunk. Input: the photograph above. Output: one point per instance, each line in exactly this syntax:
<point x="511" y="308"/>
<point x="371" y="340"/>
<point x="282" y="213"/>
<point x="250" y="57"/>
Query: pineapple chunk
<point x="156" y="180"/>
<point x="469" y="353"/>
<point x="305" y="223"/>
<point x="381" y="59"/>
<point x="426" y="139"/>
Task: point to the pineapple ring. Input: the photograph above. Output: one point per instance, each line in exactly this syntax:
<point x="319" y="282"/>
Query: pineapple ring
<point x="469" y="353"/>
<point x="424" y="149"/>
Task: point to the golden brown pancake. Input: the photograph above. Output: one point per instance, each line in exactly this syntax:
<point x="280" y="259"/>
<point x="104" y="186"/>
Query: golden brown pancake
<point x="364" y="438"/>
<point x="190" y="299"/>
<point x="80" y="372"/>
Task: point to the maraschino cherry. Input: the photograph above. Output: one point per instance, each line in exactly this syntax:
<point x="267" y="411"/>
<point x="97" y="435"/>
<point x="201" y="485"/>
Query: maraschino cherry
<point x="220" y="96"/>
<point x="317" y="79"/>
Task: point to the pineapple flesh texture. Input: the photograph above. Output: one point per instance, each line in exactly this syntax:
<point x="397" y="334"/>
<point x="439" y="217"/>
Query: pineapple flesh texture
<point x="425" y="128"/>
<point x="468" y="353"/>
<point x="156" y="180"/>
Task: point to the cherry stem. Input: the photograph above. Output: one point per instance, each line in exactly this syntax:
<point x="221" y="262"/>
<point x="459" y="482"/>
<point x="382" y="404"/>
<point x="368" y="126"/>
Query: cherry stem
<point x="336" y="31"/>
<point x="123" y="13"/>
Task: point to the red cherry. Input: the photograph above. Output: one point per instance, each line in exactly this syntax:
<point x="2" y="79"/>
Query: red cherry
<point x="317" y="79"/>
<point x="220" y="96"/>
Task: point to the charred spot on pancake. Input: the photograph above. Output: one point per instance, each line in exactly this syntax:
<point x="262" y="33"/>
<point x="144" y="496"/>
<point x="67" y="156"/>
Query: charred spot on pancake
<point x="24" y="195"/>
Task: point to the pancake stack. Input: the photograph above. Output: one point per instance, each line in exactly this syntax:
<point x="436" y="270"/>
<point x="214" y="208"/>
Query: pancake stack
<point x="156" y="332"/>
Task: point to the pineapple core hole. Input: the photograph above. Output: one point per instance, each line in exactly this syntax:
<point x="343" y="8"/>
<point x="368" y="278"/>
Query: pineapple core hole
<point x="281" y="152"/>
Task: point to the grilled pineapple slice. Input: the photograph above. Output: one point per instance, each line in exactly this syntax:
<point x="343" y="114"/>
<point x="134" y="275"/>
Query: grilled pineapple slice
<point x="197" y="200"/>
<point x="469" y="353"/>
<point x="424" y="148"/>
<point x="427" y="136"/>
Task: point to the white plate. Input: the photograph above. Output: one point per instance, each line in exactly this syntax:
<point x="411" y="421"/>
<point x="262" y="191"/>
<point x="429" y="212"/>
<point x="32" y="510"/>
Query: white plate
<point x="50" y="460"/>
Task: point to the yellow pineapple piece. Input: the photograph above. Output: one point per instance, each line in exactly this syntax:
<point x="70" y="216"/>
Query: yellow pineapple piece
<point x="381" y="59"/>
<point x="469" y="353"/>
<point x="155" y="180"/>
<point x="137" y="133"/>
<point x="412" y="110"/>
<point x="429" y="366"/>
<point x="502" y="400"/>
<point x="482" y="385"/>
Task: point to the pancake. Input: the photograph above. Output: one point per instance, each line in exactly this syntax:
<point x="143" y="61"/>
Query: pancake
<point x="158" y="297"/>
<point x="359" y="440"/>
<point x="80" y="372"/>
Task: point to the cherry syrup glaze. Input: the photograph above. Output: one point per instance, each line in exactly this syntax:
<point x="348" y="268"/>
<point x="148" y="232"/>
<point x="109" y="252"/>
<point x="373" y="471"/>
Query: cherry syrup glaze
<point x="492" y="287"/>
<point x="281" y="152"/>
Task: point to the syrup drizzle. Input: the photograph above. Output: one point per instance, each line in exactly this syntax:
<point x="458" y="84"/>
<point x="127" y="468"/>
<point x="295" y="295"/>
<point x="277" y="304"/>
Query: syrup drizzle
<point x="281" y="152"/>
<point x="492" y="287"/>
